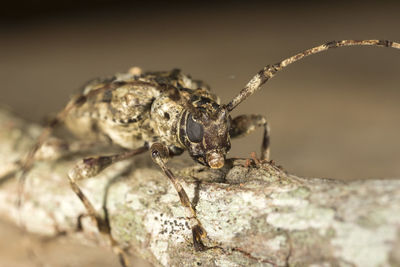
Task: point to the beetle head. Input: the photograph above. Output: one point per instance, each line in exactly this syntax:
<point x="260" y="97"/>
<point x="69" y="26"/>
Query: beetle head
<point x="204" y="130"/>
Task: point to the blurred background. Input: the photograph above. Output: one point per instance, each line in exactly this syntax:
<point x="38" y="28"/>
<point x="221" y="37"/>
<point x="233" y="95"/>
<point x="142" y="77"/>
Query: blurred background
<point x="332" y="115"/>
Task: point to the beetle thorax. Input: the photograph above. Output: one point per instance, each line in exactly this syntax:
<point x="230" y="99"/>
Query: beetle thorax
<point x="165" y="115"/>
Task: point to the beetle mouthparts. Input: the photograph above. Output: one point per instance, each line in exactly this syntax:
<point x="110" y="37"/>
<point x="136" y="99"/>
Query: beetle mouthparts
<point x="215" y="160"/>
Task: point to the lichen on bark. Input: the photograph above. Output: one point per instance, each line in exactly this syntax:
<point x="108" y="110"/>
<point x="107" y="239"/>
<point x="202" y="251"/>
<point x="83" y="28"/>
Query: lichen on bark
<point x="254" y="214"/>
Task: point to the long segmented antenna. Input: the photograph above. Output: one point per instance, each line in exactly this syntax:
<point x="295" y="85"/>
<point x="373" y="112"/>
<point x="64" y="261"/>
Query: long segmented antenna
<point x="269" y="71"/>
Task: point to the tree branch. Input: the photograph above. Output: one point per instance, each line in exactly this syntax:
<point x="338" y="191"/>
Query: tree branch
<point x="255" y="215"/>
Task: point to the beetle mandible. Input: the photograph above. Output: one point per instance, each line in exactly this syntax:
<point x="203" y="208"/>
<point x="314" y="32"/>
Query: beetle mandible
<point x="165" y="113"/>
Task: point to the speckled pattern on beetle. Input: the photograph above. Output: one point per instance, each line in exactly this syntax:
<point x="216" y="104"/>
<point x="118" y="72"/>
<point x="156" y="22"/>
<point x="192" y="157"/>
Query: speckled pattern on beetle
<point x="166" y="107"/>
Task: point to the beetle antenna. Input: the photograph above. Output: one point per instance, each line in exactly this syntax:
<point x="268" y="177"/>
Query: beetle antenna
<point x="269" y="71"/>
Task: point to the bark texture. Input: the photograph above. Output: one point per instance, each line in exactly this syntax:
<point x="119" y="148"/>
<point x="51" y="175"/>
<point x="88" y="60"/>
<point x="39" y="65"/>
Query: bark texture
<point x="255" y="215"/>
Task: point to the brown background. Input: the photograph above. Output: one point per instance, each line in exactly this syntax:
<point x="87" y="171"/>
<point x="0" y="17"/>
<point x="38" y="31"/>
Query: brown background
<point x="332" y="115"/>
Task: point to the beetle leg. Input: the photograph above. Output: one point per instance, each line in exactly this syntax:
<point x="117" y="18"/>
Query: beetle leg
<point x="90" y="167"/>
<point x="55" y="148"/>
<point x="159" y="154"/>
<point x="245" y="124"/>
<point x="28" y="161"/>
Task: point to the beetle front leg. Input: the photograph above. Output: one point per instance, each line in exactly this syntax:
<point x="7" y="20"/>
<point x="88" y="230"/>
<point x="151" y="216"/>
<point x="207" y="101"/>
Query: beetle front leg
<point x="159" y="153"/>
<point x="243" y="125"/>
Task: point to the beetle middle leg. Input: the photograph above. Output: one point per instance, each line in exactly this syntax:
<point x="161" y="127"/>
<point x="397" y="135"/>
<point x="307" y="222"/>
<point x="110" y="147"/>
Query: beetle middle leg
<point x="159" y="154"/>
<point x="243" y="125"/>
<point x="90" y="167"/>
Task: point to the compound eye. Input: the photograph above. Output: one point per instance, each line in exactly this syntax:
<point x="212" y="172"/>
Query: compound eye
<point x="194" y="130"/>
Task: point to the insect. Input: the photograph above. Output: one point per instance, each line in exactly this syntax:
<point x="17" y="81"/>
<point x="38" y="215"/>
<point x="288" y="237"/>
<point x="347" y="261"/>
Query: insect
<point x="164" y="113"/>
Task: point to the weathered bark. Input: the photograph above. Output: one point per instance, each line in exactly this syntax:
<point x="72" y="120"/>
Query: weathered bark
<point x="255" y="216"/>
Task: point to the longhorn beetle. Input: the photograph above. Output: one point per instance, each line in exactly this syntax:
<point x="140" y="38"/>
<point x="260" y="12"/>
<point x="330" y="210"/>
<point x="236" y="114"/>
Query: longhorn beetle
<point x="164" y="113"/>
